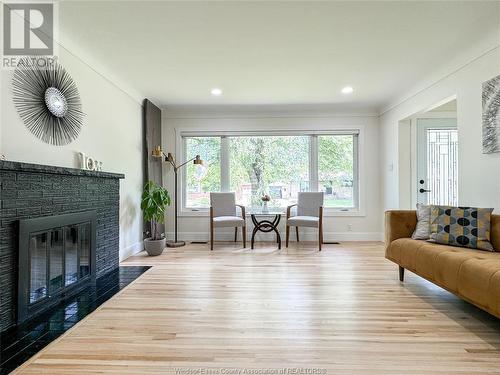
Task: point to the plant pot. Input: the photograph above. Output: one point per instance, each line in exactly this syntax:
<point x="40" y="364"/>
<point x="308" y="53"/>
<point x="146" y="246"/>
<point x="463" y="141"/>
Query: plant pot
<point x="154" y="247"/>
<point x="265" y="209"/>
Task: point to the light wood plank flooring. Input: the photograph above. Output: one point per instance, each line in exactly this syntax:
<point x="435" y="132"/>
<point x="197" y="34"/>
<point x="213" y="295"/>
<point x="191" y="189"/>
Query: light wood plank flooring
<point x="341" y="311"/>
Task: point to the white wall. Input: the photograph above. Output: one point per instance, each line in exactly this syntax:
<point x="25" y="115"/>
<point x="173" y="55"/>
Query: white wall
<point x="111" y="133"/>
<point x="365" y="226"/>
<point x="479" y="174"/>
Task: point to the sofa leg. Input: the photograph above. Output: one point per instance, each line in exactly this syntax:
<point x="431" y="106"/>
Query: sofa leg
<point x="401" y="274"/>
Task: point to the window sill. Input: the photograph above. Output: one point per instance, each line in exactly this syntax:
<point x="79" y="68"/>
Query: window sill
<point x="326" y="213"/>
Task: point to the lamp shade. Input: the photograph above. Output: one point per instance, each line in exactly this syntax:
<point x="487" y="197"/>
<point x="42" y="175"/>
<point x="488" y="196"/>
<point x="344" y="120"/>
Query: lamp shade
<point x="157" y="152"/>
<point x="197" y="160"/>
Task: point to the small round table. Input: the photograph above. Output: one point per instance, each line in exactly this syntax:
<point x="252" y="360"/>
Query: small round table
<point x="264" y="224"/>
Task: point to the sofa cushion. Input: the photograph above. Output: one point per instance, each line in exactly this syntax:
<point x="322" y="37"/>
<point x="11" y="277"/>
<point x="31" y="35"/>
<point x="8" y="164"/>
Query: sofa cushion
<point x="494" y="294"/>
<point x="475" y="280"/>
<point x="426" y="258"/>
<point x="472" y="274"/>
<point x="402" y="251"/>
<point x="448" y="265"/>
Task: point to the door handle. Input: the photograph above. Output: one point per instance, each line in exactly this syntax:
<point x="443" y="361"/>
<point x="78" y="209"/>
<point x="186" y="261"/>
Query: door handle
<point x="424" y="191"/>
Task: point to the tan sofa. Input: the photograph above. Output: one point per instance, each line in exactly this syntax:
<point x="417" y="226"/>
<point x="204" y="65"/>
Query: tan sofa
<point x="473" y="275"/>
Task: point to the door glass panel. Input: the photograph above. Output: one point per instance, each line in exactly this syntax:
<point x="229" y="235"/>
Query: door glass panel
<point x="442" y="166"/>
<point x="56" y="260"/>
<point x="38" y="267"/>
<point x="84" y="250"/>
<point x="437" y="161"/>
<point x="71" y="247"/>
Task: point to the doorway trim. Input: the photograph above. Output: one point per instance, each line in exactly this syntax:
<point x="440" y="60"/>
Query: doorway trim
<point x="407" y="150"/>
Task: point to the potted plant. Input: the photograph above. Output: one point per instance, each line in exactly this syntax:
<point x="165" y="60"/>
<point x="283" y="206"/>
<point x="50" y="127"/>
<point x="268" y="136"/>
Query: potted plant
<point x="153" y="203"/>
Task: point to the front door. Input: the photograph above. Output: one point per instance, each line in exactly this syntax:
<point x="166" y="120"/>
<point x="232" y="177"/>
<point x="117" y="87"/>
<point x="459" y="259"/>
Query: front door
<point x="437" y="161"/>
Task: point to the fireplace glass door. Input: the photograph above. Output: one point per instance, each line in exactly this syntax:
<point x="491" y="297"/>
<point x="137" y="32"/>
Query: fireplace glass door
<point x="84" y="260"/>
<point x="56" y="258"/>
<point x="38" y="267"/>
<point x="71" y="253"/>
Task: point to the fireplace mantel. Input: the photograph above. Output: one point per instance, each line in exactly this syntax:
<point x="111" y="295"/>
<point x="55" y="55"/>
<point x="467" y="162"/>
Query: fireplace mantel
<point x="30" y="191"/>
<point x="9" y="165"/>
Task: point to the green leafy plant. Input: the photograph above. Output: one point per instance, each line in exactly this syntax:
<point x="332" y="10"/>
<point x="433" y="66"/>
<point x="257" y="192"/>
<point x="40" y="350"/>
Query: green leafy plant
<point x="155" y="199"/>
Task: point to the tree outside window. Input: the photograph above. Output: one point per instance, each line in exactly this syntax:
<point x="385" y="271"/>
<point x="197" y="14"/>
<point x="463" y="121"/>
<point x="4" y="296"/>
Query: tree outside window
<point x="277" y="165"/>
<point x="336" y="169"/>
<point x="274" y="165"/>
<point x="200" y="181"/>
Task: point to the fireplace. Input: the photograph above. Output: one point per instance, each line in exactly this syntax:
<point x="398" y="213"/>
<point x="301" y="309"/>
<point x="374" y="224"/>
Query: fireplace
<point x="31" y="192"/>
<point x="56" y="260"/>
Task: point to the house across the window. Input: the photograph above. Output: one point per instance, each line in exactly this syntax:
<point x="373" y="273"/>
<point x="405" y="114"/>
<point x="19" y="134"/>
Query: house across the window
<point x="277" y="165"/>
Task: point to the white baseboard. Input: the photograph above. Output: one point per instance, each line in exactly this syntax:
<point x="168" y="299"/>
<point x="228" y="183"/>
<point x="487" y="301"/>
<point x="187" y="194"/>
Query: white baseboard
<point x="304" y="236"/>
<point x="131" y="250"/>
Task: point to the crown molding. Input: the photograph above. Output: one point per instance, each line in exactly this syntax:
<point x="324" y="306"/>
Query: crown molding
<point x="266" y="111"/>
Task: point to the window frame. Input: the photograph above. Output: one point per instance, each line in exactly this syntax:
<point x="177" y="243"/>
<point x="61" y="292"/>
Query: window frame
<point x="358" y="188"/>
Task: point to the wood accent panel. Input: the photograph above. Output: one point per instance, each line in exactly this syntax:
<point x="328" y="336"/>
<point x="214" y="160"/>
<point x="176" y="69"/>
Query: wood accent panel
<point x="151" y="138"/>
<point x="342" y="309"/>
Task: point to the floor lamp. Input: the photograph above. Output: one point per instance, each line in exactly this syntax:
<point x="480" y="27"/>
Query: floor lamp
<point x="158" y="153"/>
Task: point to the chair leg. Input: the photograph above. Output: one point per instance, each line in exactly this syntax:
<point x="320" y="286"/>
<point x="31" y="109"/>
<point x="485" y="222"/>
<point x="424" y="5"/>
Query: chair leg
<point x="320" y="237"/>
<point x="244" y="235"/>
<point x="401" y="274"/>
<point x="320" y="227"/>
<point x="211" y="235"/>
<point x="297" y="233"/>
<point x="287" y="234"/>
<point x="235" y="234"/>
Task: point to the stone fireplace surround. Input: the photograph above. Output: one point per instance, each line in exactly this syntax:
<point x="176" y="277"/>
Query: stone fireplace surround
<point x="32" y="190"/>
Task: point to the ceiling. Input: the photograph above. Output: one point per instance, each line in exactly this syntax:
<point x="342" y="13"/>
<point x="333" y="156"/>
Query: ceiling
<point x="288" y="53"/>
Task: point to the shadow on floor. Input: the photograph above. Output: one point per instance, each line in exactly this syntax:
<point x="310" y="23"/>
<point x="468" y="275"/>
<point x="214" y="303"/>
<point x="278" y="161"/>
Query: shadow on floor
<point x="472" y="318"/>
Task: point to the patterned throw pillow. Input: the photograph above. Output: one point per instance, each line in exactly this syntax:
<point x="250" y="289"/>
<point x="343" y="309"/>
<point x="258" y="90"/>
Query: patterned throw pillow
<point x="461" y="226"/>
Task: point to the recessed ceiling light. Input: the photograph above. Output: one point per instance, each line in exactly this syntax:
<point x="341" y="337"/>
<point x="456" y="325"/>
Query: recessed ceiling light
<point x="216" y="92"/>
<point x="347" y="90"/>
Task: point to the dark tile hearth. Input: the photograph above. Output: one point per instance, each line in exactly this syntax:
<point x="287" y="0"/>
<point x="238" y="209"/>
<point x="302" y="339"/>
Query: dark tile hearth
<point x="22" y="342"/>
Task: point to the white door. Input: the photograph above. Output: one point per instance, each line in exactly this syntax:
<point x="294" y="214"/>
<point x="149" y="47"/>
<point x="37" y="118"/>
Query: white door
<point x="437" y="161"/>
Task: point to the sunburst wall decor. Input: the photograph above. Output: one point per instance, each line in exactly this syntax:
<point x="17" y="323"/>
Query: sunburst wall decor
<point x="48" y="102"/>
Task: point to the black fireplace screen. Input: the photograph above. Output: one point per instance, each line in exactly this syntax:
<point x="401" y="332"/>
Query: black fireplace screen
<point x="56" y="259"/>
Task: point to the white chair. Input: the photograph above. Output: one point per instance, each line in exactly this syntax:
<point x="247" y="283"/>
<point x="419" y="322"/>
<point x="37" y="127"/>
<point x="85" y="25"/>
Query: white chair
<point x="223" y="214"/>
<point x="309" y="214"/>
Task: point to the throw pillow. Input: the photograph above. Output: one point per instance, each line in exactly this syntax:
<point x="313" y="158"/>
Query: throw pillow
<point x="461" y="226"/>
<point x="423" y="228"/>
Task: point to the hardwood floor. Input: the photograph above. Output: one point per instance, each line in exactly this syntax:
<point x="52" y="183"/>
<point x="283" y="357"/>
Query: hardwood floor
<point x="339" y="311"/>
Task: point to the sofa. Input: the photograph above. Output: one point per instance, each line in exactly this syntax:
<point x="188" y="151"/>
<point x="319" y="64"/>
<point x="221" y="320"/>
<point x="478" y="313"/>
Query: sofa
<point x="473" y="275"/>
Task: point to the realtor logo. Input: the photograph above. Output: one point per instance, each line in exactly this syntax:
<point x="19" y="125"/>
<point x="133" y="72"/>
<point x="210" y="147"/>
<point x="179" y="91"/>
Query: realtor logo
<point x="28" y="29"/>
